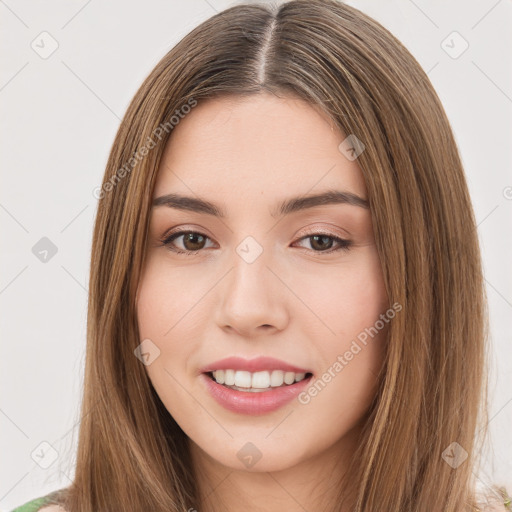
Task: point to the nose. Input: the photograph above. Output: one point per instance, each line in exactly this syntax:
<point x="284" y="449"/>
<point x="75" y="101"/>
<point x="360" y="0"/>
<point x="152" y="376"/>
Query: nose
<point x="253" y="300"/>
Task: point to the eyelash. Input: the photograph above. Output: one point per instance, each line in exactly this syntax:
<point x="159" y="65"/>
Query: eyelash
<point x="344" y="245"/>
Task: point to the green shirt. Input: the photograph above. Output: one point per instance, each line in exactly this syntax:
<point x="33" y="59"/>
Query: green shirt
<point x="37" y="503"/>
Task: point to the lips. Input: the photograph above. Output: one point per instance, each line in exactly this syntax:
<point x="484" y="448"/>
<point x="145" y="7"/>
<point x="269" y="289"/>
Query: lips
<point x="253" y="365"/>
<point x="253" y="401"/>
<point x="247" y="403"/>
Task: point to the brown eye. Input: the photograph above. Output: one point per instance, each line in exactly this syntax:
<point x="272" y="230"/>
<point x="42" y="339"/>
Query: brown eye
<point x="192" y="241"/>
<point x="323" y="242"/>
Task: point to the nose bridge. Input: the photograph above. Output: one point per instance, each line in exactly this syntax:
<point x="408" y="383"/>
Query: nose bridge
<point x="250" y="275"/>
<point x="250" y="295"/>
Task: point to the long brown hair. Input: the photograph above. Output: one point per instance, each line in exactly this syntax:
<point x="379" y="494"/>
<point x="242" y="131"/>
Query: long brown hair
<point x="132" y="456"/>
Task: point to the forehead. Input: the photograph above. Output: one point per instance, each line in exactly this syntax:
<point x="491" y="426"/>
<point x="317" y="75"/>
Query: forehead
<point x="244" y="148"/>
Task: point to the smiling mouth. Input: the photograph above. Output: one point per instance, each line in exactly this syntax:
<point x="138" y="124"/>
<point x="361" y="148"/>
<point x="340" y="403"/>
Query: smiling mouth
<point x="255" y="382"/>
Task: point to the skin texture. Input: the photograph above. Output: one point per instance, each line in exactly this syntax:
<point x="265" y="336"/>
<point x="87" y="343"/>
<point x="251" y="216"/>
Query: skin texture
<point x="297" y="301"/>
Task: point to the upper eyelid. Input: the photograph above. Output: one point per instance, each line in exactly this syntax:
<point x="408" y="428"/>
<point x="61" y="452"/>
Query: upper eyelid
<point x="331" y="229"/>
<point x="311" y="232"/>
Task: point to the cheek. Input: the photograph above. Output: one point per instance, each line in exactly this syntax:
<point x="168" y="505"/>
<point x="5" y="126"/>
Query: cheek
<point x="352" y="352"/>
<point x="366" y="298"/>
<point x="352" y="346"/>
<point x="166" y="315"/>
<point x="167" y="299"/>
<point x="345" y="299"/>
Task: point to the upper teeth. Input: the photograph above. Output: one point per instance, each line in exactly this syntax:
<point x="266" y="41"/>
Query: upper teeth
<point x="260" y="380"/>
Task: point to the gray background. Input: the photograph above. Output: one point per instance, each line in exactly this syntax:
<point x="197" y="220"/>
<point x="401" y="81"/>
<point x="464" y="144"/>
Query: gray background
<point x="59" y="118"/>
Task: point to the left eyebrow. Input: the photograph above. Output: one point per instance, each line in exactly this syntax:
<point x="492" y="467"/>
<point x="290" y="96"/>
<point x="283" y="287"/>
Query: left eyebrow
<point x="291" y="205"/>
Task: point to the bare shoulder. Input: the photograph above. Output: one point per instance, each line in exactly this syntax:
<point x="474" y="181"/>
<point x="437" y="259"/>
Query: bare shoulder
<point x="52" y="508"/>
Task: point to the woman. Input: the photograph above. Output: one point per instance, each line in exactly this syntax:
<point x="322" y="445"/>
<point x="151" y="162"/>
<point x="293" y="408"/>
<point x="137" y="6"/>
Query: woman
<point x="233" y="360"/>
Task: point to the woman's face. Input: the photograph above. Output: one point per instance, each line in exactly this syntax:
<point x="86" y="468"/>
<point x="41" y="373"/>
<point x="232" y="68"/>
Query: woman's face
<point x="261" y="282"/>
